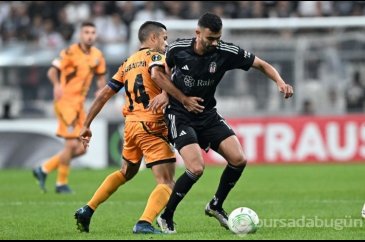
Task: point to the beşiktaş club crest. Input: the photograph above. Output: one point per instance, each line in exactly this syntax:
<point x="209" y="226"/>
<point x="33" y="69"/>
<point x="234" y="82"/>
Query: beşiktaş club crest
<point x="212" y="67"/>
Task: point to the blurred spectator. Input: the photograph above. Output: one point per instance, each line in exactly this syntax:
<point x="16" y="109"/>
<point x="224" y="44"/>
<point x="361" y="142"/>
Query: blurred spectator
<point x="243" y="10"/>
<point x="49" y="38"/>
<point x="150" y="12"/>
<point x="194" y="9"/>
<point x="65" y="28"/>
<point x="307" y="108"/>
<point x="310" y="8"/>
<point x="355" y="95"/>
<point x="127" y="11"/>
<point x="6" y="110"/>
<point x="78" y="11"/>
<point x="16" y="25"/>
<point x="333" y="104"/>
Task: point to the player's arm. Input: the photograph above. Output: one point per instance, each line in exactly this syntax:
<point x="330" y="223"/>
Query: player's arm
<point x="53" y="75"/>
<point x="159" y="102"/>
<point x="101" y="82"/>
<point x="274" y="75"/>
<point x="106" y="93"/>
<point x="159" y="76"/>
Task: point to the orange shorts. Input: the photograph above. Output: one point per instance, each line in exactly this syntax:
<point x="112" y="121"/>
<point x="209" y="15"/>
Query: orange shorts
<point x="148" y="139"/>
<point x="71" y="118"/>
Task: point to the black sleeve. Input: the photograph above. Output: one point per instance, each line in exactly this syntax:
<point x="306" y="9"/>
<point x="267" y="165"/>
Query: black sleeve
<point x="115" y="85"/>
<point x="170" y="58"/>
<point x="243" y="60"/>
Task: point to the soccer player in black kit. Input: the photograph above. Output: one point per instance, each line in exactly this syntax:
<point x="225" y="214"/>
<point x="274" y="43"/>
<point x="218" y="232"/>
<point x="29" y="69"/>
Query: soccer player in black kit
<point x="196" y="67"/>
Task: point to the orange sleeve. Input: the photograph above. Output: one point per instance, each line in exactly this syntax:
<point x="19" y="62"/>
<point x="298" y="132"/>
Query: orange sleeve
<point x="63" y="60"/>
<point x="101" y="67"/>
<point x="157" y="59"/>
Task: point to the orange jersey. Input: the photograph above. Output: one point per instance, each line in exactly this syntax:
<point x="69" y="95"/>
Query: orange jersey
<point x="77" y="70"/>
<point x="135" y="75"/>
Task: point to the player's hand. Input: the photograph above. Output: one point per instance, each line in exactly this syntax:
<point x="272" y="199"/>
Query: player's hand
<point x="192" y="104"/>
<point x="85" y="136"/>
<point x="57" y="92"/>
<point x="286" y="89"/>
<point x="158" y="103"/>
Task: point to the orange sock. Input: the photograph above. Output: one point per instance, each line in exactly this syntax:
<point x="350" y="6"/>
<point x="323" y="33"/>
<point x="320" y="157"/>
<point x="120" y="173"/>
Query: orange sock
<point x="106" y="189"/>
<point x="51" y="164"/>
<point x="156" y="202"/>
<point x="63" y="172"/>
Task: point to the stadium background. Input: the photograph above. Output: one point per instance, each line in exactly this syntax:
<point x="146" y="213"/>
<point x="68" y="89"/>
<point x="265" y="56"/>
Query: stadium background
<point x="317" y="46"/>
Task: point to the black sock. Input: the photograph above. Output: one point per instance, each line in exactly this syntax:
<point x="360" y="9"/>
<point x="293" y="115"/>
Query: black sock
<point x="229" y="177"/>
<point x="181" y="188"/>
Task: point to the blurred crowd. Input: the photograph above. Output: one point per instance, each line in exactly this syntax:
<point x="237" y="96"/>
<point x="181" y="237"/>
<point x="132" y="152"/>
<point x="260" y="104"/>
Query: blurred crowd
<point x="53" y="24"/>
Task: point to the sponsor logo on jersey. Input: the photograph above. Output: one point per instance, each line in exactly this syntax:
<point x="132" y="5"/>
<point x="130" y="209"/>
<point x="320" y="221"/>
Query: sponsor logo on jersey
<point x="189" y="81"/>
<point x="212" y="67"/>
<point x="205" y="83"/>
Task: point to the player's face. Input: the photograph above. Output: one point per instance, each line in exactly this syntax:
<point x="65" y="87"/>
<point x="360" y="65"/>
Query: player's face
<point x="208" y="40"/>
<point x="88" y="35"/>
<point x="161" y="41"/>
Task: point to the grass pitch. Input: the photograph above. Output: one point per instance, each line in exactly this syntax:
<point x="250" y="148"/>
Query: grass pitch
<point x="292" y="201"/>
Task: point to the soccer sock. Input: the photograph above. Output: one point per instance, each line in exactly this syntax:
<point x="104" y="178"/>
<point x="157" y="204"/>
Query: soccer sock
<point x="182" y="187"/>
<point x="62" y="174"/>
<point x="156" y="202"/>
<point x="106" y="189"/>
<point x="51" y="164"/>
<point x="229" y="177"/>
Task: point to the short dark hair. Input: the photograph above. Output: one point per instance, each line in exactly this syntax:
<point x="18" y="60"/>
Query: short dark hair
<point x="87" y="24"/>
<point x="147" y="28"/>
<point x="210" y="21"/>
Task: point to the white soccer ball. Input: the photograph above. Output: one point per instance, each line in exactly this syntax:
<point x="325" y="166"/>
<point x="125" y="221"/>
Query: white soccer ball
<point x="243" y="221"/>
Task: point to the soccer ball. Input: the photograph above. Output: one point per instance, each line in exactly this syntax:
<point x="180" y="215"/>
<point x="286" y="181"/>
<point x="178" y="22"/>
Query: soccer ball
<point x="243" y="221"/>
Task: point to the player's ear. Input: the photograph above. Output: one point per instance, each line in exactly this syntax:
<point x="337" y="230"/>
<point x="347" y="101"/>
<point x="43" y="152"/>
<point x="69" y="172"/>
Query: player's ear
<point x="154" y="37"/>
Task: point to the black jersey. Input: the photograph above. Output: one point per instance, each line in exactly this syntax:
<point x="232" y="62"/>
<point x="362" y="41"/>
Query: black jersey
<point x="198" y="75"/>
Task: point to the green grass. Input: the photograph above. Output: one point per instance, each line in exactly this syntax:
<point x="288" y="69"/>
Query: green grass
<point x="292" y="201"/>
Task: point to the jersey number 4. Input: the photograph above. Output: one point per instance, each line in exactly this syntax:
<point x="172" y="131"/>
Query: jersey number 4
<point x="140" y="95"/>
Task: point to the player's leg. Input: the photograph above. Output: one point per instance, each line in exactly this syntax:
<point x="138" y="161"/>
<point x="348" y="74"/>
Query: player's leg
<point x="110" y="184"/>
<point x="73" y="148"/>
<point x="71" y="120"/>
<point x="225" y="142"/>
<point x="190" y="151"/>
<point x="158" y="198"/>
<point x="132" y="157"/>
<point x="194" y="164"/>
<point x="160" y="157"/>
<point x="363" y="211"/>
<point x="41" y="172"/>
<point x="186" y="142"/>
<point x="231" y="150"/>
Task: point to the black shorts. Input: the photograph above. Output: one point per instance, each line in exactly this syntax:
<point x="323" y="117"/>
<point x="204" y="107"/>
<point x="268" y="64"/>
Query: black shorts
<point x="208" y="130"/>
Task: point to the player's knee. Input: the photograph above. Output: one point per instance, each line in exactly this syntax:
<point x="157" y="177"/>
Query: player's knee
<point x="197" y="170"/>
<point x="166" y="181"/>
<point x="238" y="160"/>
<point x="129" y="171"/>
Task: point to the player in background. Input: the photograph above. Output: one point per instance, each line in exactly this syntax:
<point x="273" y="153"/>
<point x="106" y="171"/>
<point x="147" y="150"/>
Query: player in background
<point x="198" y="65"/>
<point x="145" y="133"/>
<point x="363" y="211"/>
<point x="71" y="75"/>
